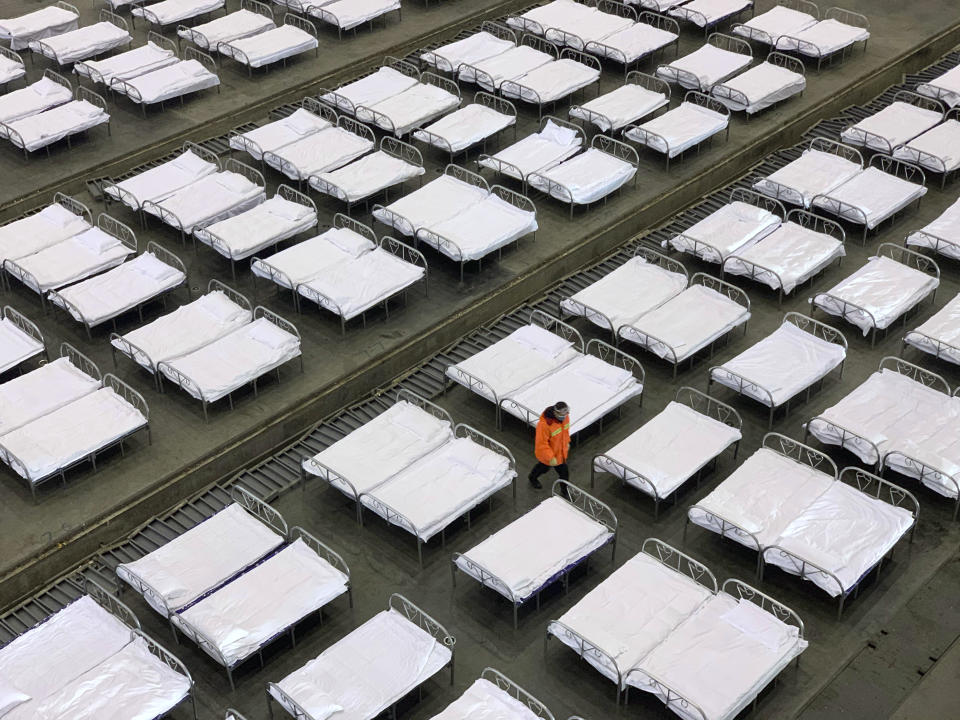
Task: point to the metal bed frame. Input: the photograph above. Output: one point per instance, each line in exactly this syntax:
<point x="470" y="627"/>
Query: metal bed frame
<point x="690" y="16"/>
<point x="308" y="103"/>
<point x="82" y="69"/>
<point x="898" y="253"/>
<point x="635" y="77"/>
<point x="790" y="195"/>
<point x="761" y="36"/>
<point x="512" y="171"/>
<point x="209" y="646"/>
<point x="164" y="256"/>
<point x="28" y="328"/>
<point x="580" y="500"/>
<point x="39" y="47"/>
<point x="385" y="122"/>
<point x="341" y="104"/>
<point x="885" y="163"/>
<point x="222" y="247"/>
<point x="807" y="324"/>
<point x="669" y="557"/>
<point x="154" y="22"/>
<point x="140" y="356"/>
<point x="288" y="167"/>
<point x="696" y="400"/>
<point x="570" y="39"/>
<point x="682" y="705"/>
<point x="190" y="53"/>
<point x="15" y="58"/>
<point x="722" y="91"/>
<point x="398" y="603"/>
<point x="661" y="22"/>
<point x="80" y="94"/>
<point x="201" y="41"/>
<point x="321" y="13"/>
<point x="941" y="349"/>
<point x="696" y="98"/>
<point x="227" y="49"/>
<point x="483" y="79"/>
<point x="872" y="486"/>
<point x="449" y="247"/>
<point x="389" y="145"/>
<point x="343" y="484"/>
<point x="805" y="49"/>
<point x="505" y="684"/>
<point x="803" y="218"/>
<point x="931" y="162"/>
<point x="868" y="140"/>
<point x="602" y="143"/>
<point x="789" y="448"/>
<point x="494" y="103"/>
<point x="441" y="64"/>
<point x="524" y="93"/>
<point x="728" y="43"/>
<point x="395" y="517"/>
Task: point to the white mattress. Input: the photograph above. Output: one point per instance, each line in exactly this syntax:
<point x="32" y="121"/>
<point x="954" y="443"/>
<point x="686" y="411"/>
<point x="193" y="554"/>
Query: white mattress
<point x="586" y="178"/>
<point x="538" y="150"/>
<point x="305" y="260"/>
<point x="485" y="701"/>
<point x="943" y="326"/>
<point x="763" y="85"/>
<point x="37" y="25"/>
<point x="34" y="98"/>
<point x="31" y="234"/>
<point x="784" y="363"/>
<point x="709" y="11"/>
<point x="441" y="486"/>
<point x="73" y="259"/>
<point x="585" y="27"/>
<point x="162" y="181"/>
<point x="10" y="70"/>
<point x="112" y="293"/>
<point x="354" y="286"/>
<point x="431" y="204"/>
<point x="242" y="616"/>
<point x="659" y="6"/>
<point x="633" y="42"/>
<point x="523" y="356"/>
<point x="83" y="42"/>
<point x="466" y="127"/>
<point x="175" y="11"/>
<point x="776" y="21"/>
<point x="845" y="532"/>
<point x="686" y="125"/>
<point x="813" y="173"/>
<point x="946" y="87"/>
<point x="368" y="670"/>
<point x="793" y="252"/>
<point x="668" y="449"/>
<point x="883" y="287"/>
<point x="725" y="231"/>
<point x="70" y="433"/>
<point x="15" y="346"/>
<point x="170" y="81"/>
<point x="898" y="123"/>
<point x="482" y="228"/>
<point x="233" y="26"/>
<point x="211" y="198"/>
<point x="762" y="496"/>
<point x="270" y="46"/>
<point x="381" y="448"/>
<point x="634" y="288"/>
<point x="557" y="13"/>
<point x="589" y="385"/>
<point x="877" y="194"/>
<point x="945" y="227"/>
<point x="509" y="65"/>
<point x="349" y="14"/>
<point x="630" y="613"/>
<point x="722" y="656"/>
<point x="51" y="125"/>
<point x="125" y="65"/>
<point x="620" y="107"/>
<point x="534" y="548"/>
<point x="708" y="64"/>
<point x="319" y="152"/>
<point x="826" y="36"/>
<point x="942" y="142"/>
<point x="49" y="387"/>
<point x="185" y="329"/>
<point x="201" y="559"/>
<point x="686" y="323"/>
<point x="370" y="90"/>
<point x="279" y="133"/>
<point x="266" y="224"/>
<point x="234" y="359"/>
<point x="367" y="176"/>
<point x="410" y="109"/>
<point x="470" y="50"/>
<point x="552" y="81"/>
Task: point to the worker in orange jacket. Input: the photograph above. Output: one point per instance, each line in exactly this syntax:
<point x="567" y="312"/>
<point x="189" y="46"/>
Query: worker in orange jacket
<point x="552" y="443"/>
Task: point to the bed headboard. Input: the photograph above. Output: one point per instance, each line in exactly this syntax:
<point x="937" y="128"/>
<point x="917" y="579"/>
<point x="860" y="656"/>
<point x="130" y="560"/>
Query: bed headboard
<point x="816" y="328"/>
<point x="796" y="450"/>
<point x="709" y="406"/>
<point x="462" y="430"/>
<point x="742" y="591"/>
<point x="74" y="206"/>
<point x="876" y="486"/>
<point x="516" y="692"/>
<point x="264" y="512"/>
<point x="837" y="148"/>
<point x="424" y="404"/>
<point x="558" y="327"/>
<point x="587" y="504"/>
<point x="80" y="361"/>
<point x="681" y="562"/>
<point x="232" y="294"/>
<point x="817" y="223"/>
<point x="915" y="373"/>
<point x="418" y="617"/>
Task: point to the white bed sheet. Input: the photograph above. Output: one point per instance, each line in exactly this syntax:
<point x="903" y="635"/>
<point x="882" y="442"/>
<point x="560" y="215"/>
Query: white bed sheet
<point x="485" y="701"/>
<point x="898" y="123"/>
<point x="466" y="127"/>
<point x="175" y="11"/>
<point x="726" y="230"/>
<point x="202" y="558"/>
<point x="826" y="36"/>
<point x="37" y="25"/>
<point x="10" y="70"/>
<point x="710" y="11"/>
<point x="620" y="107"/>
<point x="593" y="26"/>
<point x="349" y="14"/>
<point x="368" y="175"/>
<point x="15" y="346"/>
<point x="686" y="125"/>
<point x="305" y="260"/>
<point x="234" y="359"/>
<point x="233" y="26"/>
<point x="319" y="152"/>
<point x="776" y="21"/>
<point x="536" y="151"/>
<point x="709" y="64"/>
<point x="783" y="363"/>
<point x="370" y="90"/>
<point x="433" y="203"/>
<point x="129" y="64"/>
<point x="634" y="42"/>
<point x="483" y="227"/>
<point x="943" y="326"/>
<point x="509" y="65"/>
<point x="470" y="50"/>
<point x="813" y="173"/>
<point x="763" y="85"/>
<point x="32" y="99"/>
<point x="552" y="81"/>
<point x="213" y="197"/>
<point x="410" y="109"/>
<point x="669" y="449"/>
<point x="162" y="181"/>
<point x="73" y="259"/>
<point x="46" y="128"/>
<point x="586" y="178"/>
<point x="945" y="227"/>
<point x="34" y="233"/>
<point x="71" y="433"/>
<point x="48" y="388"/>
<point x="83" y="42"/>
<point x="877" y="194"/>
<point x="555" y="14"/>
<point x="268" y="223"/>
<point x="270" y="46"/>
<point x="946" y="87"/>
<point x="279" y="133"/>
<point x="942" y="142"/>
<point x="170" y="81"/>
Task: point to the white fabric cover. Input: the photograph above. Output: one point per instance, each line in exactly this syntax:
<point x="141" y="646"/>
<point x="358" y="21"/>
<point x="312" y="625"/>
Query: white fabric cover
<point x="763" y="85"/>
<point x="532" y="549"/>
<point x="10" y="70"/>
<point x="466" y="127"/>
<point x="270" y="46"/>
<point x="470" y="50"/>
<point x="233" y="26"/>
<point x="538" y="150"/>
<point x="709" y="12"/>
<point x="348" y="14"/>
<point x="509" y="65"/>
<point x="368" y="670"/>
<point x="659" y="6"/>
<point x="668" y="449"/>
<point x="71" y="433"/>
<point x="620" y="107"/>
<point x="368" y="175"/>
<point x="482" y="228"/>
<point x="243" y="615"/>
<point x="175" y="11"/>
<point x="161" y="181"/>
<point x="46" y="128"/>
<point x="945" y="227"/>
<point x="877" y="194"/>
<point x="826" y="36"/>
<point x="234" y="359"/>
<point x="201" y="559"/>
<point x="946" y="87"/>
<point x="31" y="234"/>
<point x="793" y="252"/>
<point x="813" y="173"/>
<point x="37" y="25"/>
<point x="942" y="327"/>
<point x="75" y="258"/>
<point x="586" y="28"/>
<point x="127" y="64"/>
<point x="883" y="287"/>
<point x="942" y="142"/>
<point x="34" y="98"/>
<point x="725" y="231"/>
<point x="784" y="363"/>
<point x="319" y="152"/>
<point x="633" y="42"/>
<point x="305" y="260"/>
<point x="279" y="133"/>
<point x="585" y="178"/>
<point x="381" y="447"/>
<point x="185" y="329"/>
<point x="708" y="64"/>
<point x="213" y="197"/>
<point x="83" y="42"/>
<point x="557" y="13"/>
<point x="41" y="391"/>
<point x="266" y="224"/>
<point x="430" y="205"/>
<point x="485" y="701"/>
<point x="410" y="109"/>
<point x="15" y="346"/>
<point x="686" y="125"/>
<point x="168" y="82"/>
<point x="552" y="81"/>
<point x="370" y="90"/>
<point x="898" y="123"/>
<point x="776" y="21"/>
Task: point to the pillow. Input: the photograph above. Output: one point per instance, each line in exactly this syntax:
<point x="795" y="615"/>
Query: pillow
<point x="58" y="215"/>
<point x="148" y="264"/>
<point x="541" y="340"/>
<point x="191" y="163"/>
<point x="85" y="109"/>
<point x="352" y="243"/>
<point x="266" y="332"/>
<point x="286" y="209"/>
<point x="10" y="696"/>
<point x="602" y="373"/>
<point x="559" y="135"/>
<point x="303" y="122"/>
<point x="235" y="183"/>
<point x="45" y="87"/>
<point x="415" y="420"/>
<point x="96" y="240"/>
<point x="192" y="68"/>
<point x="222" y="308"/>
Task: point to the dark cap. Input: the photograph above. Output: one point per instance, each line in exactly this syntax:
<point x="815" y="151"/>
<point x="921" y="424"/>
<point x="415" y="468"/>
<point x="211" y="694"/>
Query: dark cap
<point x="561" y="409"/>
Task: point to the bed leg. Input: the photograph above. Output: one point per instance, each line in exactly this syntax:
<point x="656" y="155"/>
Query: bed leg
<point x="515" y="612"/>
<point x="269" y="706"/>
<point x="843" y="599"/>
<point x="230" y="678"/>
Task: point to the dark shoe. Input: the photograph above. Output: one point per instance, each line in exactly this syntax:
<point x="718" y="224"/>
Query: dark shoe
<point x="537" y="485"/>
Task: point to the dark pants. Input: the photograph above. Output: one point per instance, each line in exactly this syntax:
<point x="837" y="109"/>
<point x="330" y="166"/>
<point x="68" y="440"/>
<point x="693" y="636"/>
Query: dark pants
<point x="539" y="469"/>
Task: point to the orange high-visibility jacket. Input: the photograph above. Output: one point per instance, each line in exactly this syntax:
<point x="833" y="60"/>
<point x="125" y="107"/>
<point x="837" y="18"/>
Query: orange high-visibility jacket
<point x="553" y="440"/>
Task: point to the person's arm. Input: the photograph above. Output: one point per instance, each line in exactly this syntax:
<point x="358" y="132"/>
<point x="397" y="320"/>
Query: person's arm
<point x="541" y="447"/>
